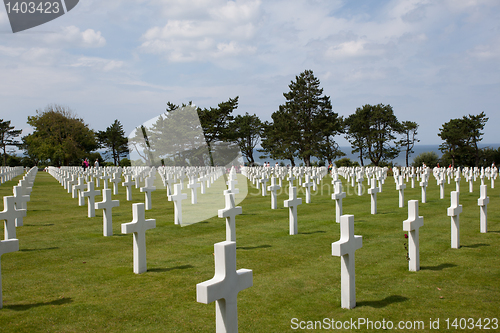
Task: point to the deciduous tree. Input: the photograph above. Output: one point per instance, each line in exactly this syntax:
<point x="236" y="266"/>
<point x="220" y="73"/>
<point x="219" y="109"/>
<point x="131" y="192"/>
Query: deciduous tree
<point x="59" y="137"/>
<point x="460" y="139"/>
<point x="8" y="137"/>
<point x="246" y="130"/>
<point x="371" y="131"/>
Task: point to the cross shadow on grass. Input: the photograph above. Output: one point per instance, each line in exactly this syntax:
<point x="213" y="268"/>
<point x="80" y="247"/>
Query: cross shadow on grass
<point x="38" y="225"/>
<point x="438" y="267"/>
<point x="24" y="307"/>
<point x="42" y="249"/>
<point x="313" y="232"/>
<point x="162" y="270"/>
<point x="475" y="246"/>
<point x="253" y="247"/>
<point x="383" y="302"/>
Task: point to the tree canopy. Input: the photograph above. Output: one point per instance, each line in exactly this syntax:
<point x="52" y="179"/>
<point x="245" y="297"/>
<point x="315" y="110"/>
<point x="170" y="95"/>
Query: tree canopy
<point x="371" y="131"/>
<point x="305" y="125"/>
<point x="59" y="137"/>
<point x="461" y="137"/>
<point x="408" y="129"/>
<point x="114" y="140"/>
<point x="246" y="130"/>
<point x="8" y="137"/>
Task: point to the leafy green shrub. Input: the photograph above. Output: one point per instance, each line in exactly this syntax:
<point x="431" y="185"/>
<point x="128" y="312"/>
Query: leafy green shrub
<point x="430" y="159"/>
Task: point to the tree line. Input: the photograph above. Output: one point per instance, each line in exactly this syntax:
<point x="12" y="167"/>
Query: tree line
<point x="61" y="138"/>
<point x="305" y="126"/>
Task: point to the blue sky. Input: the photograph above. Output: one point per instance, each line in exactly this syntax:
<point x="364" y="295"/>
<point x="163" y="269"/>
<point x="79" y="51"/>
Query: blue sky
<point x="124" y="59"/>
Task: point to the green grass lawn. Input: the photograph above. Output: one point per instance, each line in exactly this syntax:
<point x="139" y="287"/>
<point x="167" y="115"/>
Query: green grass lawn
<point x="67" y="277"/>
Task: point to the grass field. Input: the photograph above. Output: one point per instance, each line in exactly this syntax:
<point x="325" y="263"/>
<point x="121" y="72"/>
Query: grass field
<point x="67" y="277"/>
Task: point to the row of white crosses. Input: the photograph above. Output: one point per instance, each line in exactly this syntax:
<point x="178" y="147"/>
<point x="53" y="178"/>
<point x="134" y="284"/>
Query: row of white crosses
<point x="15" y="209"/>
<point x="227" y="282"/>
<point x="9" y="173"/>
<point x="207" y="176"/>
<point x="354" y="175"/>
<point x="139" y="223"/>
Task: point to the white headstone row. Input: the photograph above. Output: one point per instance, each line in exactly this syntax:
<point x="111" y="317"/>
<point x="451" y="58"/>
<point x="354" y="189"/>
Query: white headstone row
<point x="9" y="173"/>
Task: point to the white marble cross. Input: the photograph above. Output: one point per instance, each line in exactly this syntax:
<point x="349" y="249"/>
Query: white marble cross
<point x="290" y="179"/>
<point x="105" y="178"/>
<point x="359" y="179"/>
<point x="380" y="181"/>
<point x="373" y="194"/>
<point x="193" y="185"/>
<point x="20" y="201"/>
<point x="95" y="176"/>
<point x="338" y="195"/>
<point x="307" y="184"/>
<point x="273" y="188"/>
<point x="457" y="181"/>
<point x="116" y="180"/>
<point x="182" y="175"/>
<point x="231" y="183"/>
<point x="224" y="287"/>
<point x="412" y="175"/>
<point x="6" y="246"/>
<point x="412" y="225"/>
<point x="137" y="180"/>
<point x="471" y="183"/>
<point x="292" y="204"/>
<point x="177" y="198"/>
<point x="203" y="178"/>
<point x="264" y="181"/>
<point x="147" y="189"/>
<point x="70" y="183"/>
<point x="441" y="185"/>
<point x="230" y="212"/>
<point x="454" y="212"/>
<point x="345" y="249"/>
<point x="128" y="186"/>
<point x="400" y="186"/>
<point x="107" y="217"/>
<point x="78" y="191"/>
<point x="482" y="202"/>
<point x="423" y="185"/>
<point x="138" y="227"/>
<point x="25" y="186"/>
<point x="10" y="214"/>
<point x="90" y="195"/>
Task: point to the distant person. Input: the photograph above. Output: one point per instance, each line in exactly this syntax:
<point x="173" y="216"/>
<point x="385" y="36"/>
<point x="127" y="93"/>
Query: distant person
<point x="96" y="163"/>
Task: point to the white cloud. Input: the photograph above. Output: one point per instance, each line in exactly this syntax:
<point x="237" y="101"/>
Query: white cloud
<point x="71" y="36"/>
<point x="226" y="31"/>
<point x="98" y="63"/>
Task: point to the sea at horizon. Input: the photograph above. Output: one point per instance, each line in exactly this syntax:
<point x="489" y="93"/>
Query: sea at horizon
<point x="399" y="161"/>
